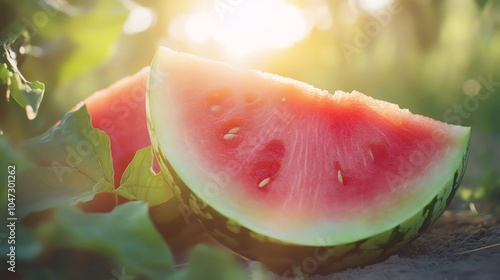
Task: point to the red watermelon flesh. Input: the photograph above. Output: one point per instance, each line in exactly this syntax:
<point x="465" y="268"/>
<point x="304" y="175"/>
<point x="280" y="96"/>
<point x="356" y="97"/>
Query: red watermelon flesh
<point x="290" y="161"/>
<point x="344" y="179"/>
<point x="120" y="111"/>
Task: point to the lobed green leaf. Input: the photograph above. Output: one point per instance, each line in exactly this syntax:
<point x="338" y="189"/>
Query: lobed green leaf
<point x="126" y="235"/>
<point x="139" y="182"/>
<point x="71" y="162"/>
<point x="28" y="94"/>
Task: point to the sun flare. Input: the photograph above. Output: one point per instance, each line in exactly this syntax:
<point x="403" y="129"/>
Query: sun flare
<point x="242" y="27"/>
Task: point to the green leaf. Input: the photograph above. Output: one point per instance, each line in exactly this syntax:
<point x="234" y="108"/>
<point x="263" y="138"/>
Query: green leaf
<point x="139" y="182"/>
<point x="94" y="35"/>
<point x="72" y="162"/>
<point x="27" y="247"/>
<point x="126" y="235"/>
<point x="28" y="94"/>
<point x="11" y="156"/>
<point x="211" y="263"/>
<point x="481" y="3"/>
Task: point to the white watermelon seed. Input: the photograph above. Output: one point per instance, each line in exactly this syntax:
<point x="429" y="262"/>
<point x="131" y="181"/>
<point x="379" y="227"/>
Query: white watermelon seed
<point x="264" y="182"/>
<point x="339" y="176"/>
<point x="215" y="108"/>
<point x="229" y="136"/>
<point x="283" y="99"/>
<point x="233" y="130"/>
<point x="371" y="154"/>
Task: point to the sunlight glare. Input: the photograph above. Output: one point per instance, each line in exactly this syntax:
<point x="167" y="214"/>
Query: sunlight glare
<point x="139" y="19"/>
<point x="259" y="26"/>
<point x="199" y="27"/>
<point x="318" y="13"/>
<point x="374" y="5"/>
<point x="251" y="26"/>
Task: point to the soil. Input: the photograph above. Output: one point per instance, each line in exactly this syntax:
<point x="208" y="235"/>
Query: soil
<point x="446" y="251"/>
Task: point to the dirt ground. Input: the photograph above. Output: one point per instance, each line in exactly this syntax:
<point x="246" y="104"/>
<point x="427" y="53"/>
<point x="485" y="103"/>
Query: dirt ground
<point x="443" y="252"/>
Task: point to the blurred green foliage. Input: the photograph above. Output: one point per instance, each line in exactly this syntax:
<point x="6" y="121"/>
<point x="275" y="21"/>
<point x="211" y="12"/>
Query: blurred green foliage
<point x="55" y="43"/>
<point x="135" y="244"/>
<point x="59" y="173"/>
<point x="122" y="244"/>
<point x="437" y="58"/>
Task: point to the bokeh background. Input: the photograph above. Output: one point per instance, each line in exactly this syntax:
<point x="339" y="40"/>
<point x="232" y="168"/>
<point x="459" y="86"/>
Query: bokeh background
<point x="436" y="58"/>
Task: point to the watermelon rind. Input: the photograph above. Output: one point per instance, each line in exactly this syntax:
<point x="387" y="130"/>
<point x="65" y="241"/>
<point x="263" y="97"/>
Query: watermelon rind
<point x="291" y="259"/>
<point x="329" y="251"/>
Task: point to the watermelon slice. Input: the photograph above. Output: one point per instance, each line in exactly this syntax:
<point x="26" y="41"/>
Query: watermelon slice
<point x="294" y="176"/>
<point x="120" y="111"/>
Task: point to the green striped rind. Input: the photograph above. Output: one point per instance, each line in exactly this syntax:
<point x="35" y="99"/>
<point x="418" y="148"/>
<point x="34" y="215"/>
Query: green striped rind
<point x="292" y="259"/>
